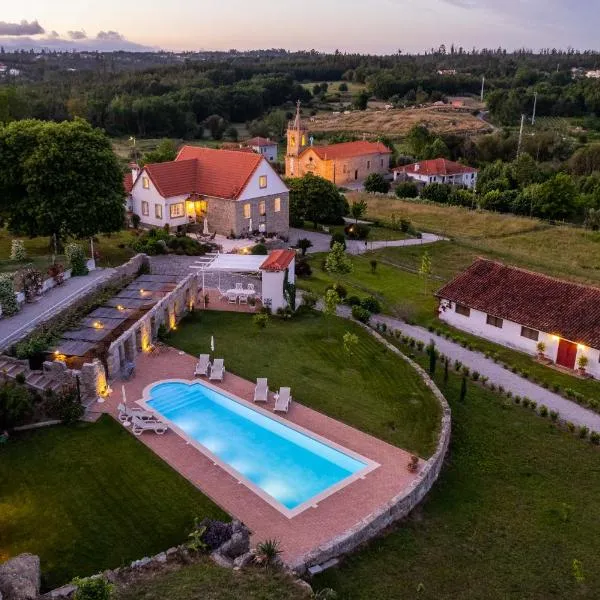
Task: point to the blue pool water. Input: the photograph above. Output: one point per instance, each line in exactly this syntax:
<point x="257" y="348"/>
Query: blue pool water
<point x="286" y="464"/>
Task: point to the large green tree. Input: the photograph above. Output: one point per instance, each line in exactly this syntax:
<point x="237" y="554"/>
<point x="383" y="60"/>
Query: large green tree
<point x="315" y="199"/>
<point x="59" y="179"/>
<point x="164" y="152"/>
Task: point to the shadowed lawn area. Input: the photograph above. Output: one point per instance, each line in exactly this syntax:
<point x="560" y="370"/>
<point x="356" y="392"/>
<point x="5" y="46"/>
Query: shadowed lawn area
<point x="40" y="253"/>
<point x="516" y="503"/>
<point x="206" y="580"/>
<point x="89" y="497"/>
<point x="372" y="389"/>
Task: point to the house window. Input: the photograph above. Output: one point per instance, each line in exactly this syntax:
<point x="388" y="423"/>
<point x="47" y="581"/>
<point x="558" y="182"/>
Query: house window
<point x="145" y="208"/>
<point x="247" y="211"/>
<point x="368" y="164"/>
<point x="158" y="211"/>
<point x="277" y="205"/>
<point x="382" y="162"/>
<point x="262" y="182"/>
<point x="530" y="334"/>
<point x="145" y="183"/>
<point x="463" y="310"/>
<point x="176" y="210"/>
<point x="262" y="208"/>
<point x="494" y="321"/>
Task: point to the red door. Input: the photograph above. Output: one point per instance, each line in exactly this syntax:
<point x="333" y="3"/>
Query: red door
<point x="567" y="352"/>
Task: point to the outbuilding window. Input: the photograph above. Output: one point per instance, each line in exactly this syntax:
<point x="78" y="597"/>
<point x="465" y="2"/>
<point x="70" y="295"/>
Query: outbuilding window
<point x="247" y="211"/>
<point x="145" y="208"/>
<point x="494" y="321"/>
<point x="158" y="211"/>
<point x="145" y="183"/>
<point x="463" y="310"/>
<point x="262" y="182"/>
<point x="530" y="334"/>
<point x="262" y="208"/>
<point x="277" y="205"/>
<point x="176" y="210"/>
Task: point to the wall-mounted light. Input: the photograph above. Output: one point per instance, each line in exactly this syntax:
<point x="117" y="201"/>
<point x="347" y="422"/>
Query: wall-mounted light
<point x="120" y="307"/>
<point x="98" y="325"/>
<point x="580" y="347"/>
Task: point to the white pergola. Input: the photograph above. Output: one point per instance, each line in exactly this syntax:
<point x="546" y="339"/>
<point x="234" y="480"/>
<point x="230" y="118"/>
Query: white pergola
<point x="228" y="263"/>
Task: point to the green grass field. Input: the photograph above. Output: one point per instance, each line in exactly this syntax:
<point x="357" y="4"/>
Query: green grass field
<point x="207" y="581"/>
<point x="91" y="497"/>
<point x="515" y="505"/>
<point x="372" y="389"/>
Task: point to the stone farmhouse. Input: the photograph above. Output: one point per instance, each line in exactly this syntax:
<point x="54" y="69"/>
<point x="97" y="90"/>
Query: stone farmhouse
<point x="438" y="170"/>
<point x="348" y="162"/>
<point x="233" y="191"/>
<point x="519" y="309"/>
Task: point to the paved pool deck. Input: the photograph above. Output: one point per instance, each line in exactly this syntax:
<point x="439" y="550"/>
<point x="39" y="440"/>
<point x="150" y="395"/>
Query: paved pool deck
<point x="315" y="526"/>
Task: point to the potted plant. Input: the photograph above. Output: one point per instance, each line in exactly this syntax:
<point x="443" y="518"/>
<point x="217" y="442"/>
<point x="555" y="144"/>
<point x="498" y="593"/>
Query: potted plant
<point x="252" y="302"/>
<point x="57" y="272"/>
<point x="582" y="363"/>
<point x="413" y="465"/>
<point x="541" y="348"/>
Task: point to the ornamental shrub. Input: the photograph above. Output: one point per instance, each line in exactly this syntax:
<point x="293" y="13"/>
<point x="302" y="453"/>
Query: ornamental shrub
<point x="261" y="320"/>
<point x="259" y="249"/>
<point x="357" y="231"/>
<point x="97" y="588"/>
<point x="16" y="405"/>
<point x="339" y="289"/>
<point x="309" y="299"/>
<point x="31" y="283"/>
<point x="65" y="405"/>
<point x="407" y="189"/>
<point x="543" y="411"/>
<point x="303" y="268"/>
<point x="338" y="238"/>
<point x="17" y="251"/>
<point x="554" y="415"/>
<point x="76" y="258"/>
<point x="371" y="304"/>
<point x="361" y="314"/>
<point x="595" y="438"/>
<point x="8" y="300"/>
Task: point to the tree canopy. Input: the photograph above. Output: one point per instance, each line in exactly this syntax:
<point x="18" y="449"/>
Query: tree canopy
<point x="315" y="199"/>
<point x="59" y="179"/>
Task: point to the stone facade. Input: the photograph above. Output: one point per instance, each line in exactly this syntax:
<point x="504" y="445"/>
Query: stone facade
<point x="272" y="220"/>
<point x="400" y="506"/>
<point x="342" y="170"/>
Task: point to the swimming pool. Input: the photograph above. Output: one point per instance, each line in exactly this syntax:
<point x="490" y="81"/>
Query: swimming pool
<point x="289" y="467"/>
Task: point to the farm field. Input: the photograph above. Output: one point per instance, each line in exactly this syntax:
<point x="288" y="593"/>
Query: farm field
<point x="398" y="122"/>
<point x="561" y="251"/>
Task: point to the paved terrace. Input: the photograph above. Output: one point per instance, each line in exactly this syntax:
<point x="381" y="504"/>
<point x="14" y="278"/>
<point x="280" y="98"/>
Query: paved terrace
<point x="311" y="528"/>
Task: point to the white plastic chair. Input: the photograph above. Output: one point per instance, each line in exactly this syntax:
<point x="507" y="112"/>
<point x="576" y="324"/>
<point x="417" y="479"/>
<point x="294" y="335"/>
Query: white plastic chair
<point x="239" y="286"/>
<point x="251" y="287"/>
<point x="232" y="298"/>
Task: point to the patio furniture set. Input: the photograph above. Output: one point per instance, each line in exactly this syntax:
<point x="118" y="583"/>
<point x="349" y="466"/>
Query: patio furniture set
<point x="215" y="371"/>
<point x="238" y="294"/>
<point x="140" y="420"/>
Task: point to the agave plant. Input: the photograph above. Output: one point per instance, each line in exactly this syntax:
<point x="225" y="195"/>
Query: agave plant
<point x="267" y="553"/>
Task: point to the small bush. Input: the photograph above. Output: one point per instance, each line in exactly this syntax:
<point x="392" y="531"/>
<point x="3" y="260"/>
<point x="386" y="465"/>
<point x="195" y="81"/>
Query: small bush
<point x="556" y="388"/>
<point x="8" y="300"/>
<point x="543" y="411"/>
<point x="457" y="365"/>
<point x="501" y="389"/>
<point x="353" y="301"/>
<point x="595" y="438"/>
<point x="261" y="320"/>
<point x="554" y="415"/>
<point x="303" y="268"/>
<point x="420" y="345"/>
<point x="475" y="376"/>
<point x="341" y="291"/>
<point x="97" y="588"/>
<point x="135" y="220"/>
<point x="371" y="304"/>
<point x="267" y="553"/>
<point x="16" y="405"/>
<point x="17" y="251"/>
<point x="525" y="374"/>
<point x="571" y="426"/>
<point x="76" y="257"/>
<point x="338" y="238"/>
<point x="526" y="402"/>
<point x="65" y="405"/>
<point x="309" y="299"/>
<point x="466" y="371"/>
<point x="517" y="399"/>
<point x="514" y="369"/>
<point x="407" y="189"/>
<point x="259" y="250"/>
<point x="361" y="314"/>
<point x="533" y="404"/>
<point x="582" y="431"/>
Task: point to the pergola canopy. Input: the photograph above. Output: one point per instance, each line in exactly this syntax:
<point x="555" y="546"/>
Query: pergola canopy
<point x="230" y="263"/>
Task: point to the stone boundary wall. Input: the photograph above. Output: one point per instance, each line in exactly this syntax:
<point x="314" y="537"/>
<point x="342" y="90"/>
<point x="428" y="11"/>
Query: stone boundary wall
<point x="168" y="311"/>
<point x="398" y="507"/>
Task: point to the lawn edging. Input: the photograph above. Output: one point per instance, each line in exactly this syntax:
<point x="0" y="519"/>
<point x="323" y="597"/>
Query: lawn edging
<point x="402" y="504"/>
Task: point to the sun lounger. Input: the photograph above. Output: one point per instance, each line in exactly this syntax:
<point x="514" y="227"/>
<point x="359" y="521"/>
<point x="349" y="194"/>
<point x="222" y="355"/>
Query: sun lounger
<point x="141" y="425"/>
<point x="261" y="391"/>
<point x="128" y="412"/>
<point x="217" y="370"/>
<point x="283" y="399"/>
<point x="203" y="365"/>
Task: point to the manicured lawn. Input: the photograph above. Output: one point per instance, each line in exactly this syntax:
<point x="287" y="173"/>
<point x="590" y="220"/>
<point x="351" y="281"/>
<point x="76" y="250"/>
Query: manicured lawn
<point x="372" y="390"/>
<point x="89" y="497"/>
<point x="207" y="581"/>
<point x="516" y="503"/>
<point x="376" y="234"/>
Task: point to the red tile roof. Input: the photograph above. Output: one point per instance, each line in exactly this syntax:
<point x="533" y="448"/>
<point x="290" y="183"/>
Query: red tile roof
<point x="554" y="306"/>
<point x="436" y="166"/>
<point x="128" y="182"/>
<point x="260" y="141"/>
<point x="349" y="150"/>
<point x="204" y="171"/>
<point x="278" y="260"/>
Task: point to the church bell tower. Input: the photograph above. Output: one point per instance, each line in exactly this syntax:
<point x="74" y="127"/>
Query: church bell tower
<point x="297" y="141"/>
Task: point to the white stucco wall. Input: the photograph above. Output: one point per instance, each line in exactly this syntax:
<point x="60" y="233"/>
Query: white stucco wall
<point x="275" y="184"/>
<point x="272" y="289"/>
<point x="464" y="179"/>
<point x="510" y="335"/>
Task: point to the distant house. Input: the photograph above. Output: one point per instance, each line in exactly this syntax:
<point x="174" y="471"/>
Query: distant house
<point x="234" y="191"/>
<point x="264" y="146"/>
<point x="343" y="163"/>
<point x="519" y="308"/>
<point x="438" y="170"/>
<point x="595" y="74"/>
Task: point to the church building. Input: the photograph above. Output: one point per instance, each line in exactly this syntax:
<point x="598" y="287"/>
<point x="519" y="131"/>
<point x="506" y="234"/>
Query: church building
<point x="348" y="162"/>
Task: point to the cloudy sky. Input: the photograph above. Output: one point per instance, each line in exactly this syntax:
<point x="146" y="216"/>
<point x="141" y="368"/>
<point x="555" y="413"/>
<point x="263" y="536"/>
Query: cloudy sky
<point x="377" y="26"/>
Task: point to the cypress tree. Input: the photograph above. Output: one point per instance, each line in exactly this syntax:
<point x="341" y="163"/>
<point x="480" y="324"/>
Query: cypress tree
<point x="463" y="389"/>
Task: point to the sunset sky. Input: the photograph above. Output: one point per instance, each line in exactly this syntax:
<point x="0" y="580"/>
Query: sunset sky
<point x="376" y="26"/>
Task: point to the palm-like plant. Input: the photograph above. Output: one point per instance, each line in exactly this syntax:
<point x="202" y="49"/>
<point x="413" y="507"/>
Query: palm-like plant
<point x="267" y="553"/>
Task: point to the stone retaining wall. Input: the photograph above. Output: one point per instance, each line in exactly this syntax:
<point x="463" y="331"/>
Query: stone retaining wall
<point x="400" y="506"/>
